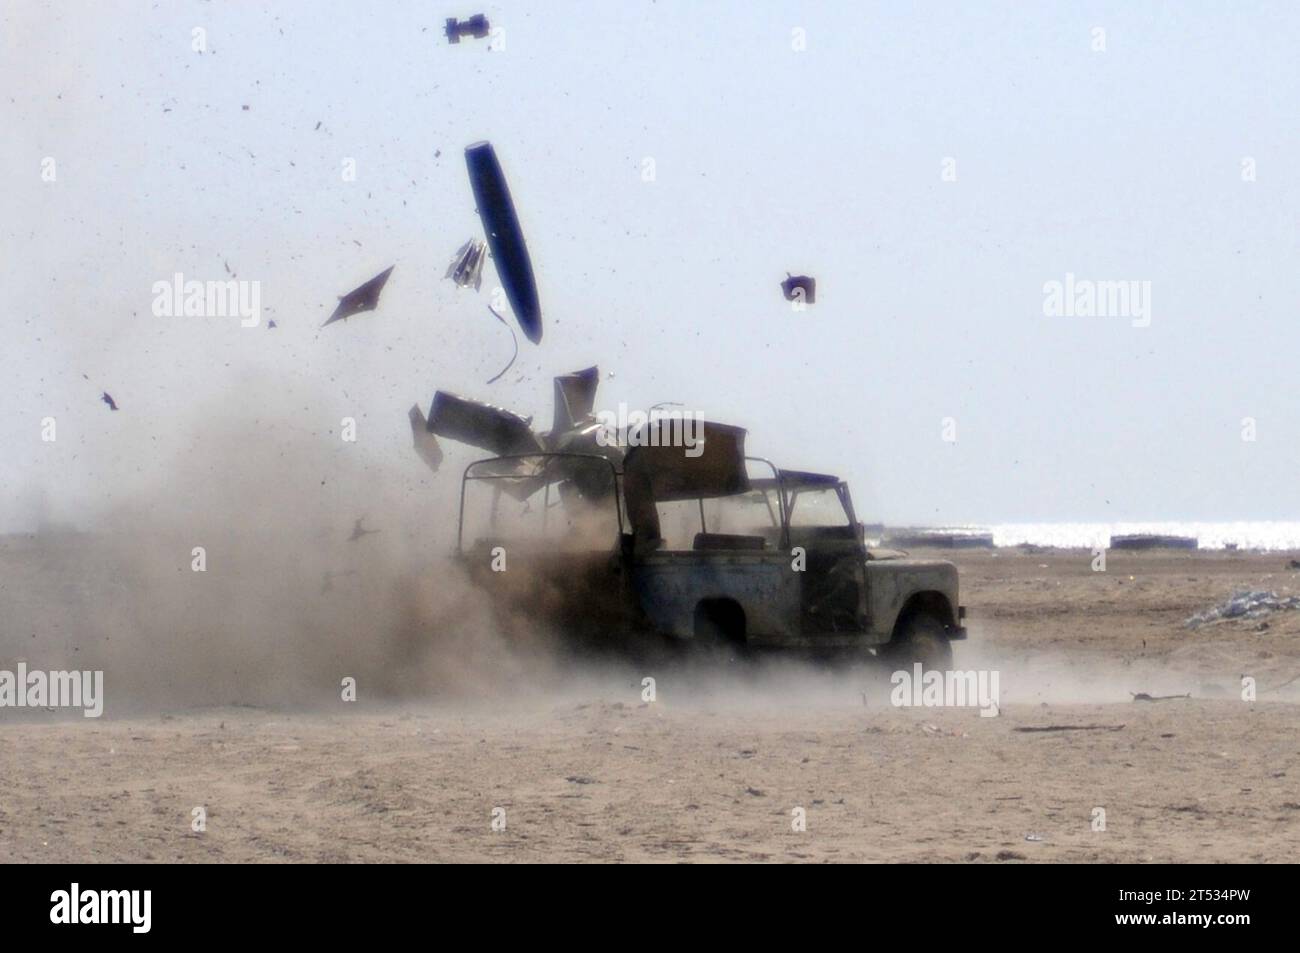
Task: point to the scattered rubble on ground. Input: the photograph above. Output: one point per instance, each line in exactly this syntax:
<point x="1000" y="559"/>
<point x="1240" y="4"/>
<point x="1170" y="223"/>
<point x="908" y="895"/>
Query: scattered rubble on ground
<point x="1027" y="729"/>
<point x="1244" y="604"/>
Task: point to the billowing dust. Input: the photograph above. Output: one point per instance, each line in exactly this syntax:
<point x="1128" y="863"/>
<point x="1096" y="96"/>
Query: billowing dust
<point x="321" y="563"/>
<point x="230" y="575"/>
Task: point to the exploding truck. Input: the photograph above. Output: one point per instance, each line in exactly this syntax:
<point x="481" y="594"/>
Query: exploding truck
<point x="662" y="527"/>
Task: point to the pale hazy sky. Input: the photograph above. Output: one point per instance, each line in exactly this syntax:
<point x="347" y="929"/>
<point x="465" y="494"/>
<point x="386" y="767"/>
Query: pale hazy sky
<point x="1124" y="164"/>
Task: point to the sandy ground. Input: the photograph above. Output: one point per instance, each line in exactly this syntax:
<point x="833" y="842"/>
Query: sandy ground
<point x="717" y="766"/>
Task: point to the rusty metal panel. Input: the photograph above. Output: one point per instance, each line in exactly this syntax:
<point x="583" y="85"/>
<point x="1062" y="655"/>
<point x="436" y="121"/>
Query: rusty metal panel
<point x="891" y="583"/>
<point x="670" y="585"/>
<point x="426" y="444"/>
<point x="715" y="466"/>
<point x="481" y="425"/>
<point x="575" y="398"/>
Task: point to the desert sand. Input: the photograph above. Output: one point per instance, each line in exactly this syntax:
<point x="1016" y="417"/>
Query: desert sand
<point x="575" y="766"/>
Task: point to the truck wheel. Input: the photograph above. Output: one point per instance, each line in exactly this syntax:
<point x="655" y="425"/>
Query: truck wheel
<point x="922" y="638"/>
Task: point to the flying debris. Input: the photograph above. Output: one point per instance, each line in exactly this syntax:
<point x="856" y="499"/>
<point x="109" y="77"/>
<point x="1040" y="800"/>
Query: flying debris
<point x="327" y="584"/>
<point x="574" y="430"/>
<point x="108" y="399"/>
<point x="466" y="266"/>
<point x="654" y="467"/>
<point x="358" y="532"/>
<point x="364" y="298"/>
<point x="505" y="238"/>
<point x="656" y="472"/>
<point x="504" y="433"/>
<point x="426" y="444"/>
<point x="573" y="425"/>
<point x="513" y="339"/>
<point x="575" y="399"/>
<point x="799" y="288"/>
<point x="481" y="425"/>
<point x="476" y="26"/>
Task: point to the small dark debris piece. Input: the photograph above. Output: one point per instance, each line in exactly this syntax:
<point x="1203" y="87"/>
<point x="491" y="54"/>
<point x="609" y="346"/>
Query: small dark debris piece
<point x="1153" y="541"/>
<point x="476" y="26"/>
<point x="328" y="583"/>
<point x="271" y="324"/>
<point x="364" y="298"/>
<point x="108" y="399"/>
<point x="1035" y="728"/>
<point x="1144" y="697"/>
<point x="245" y="108"/>
<point x="799" y="288"/>
<point x="1293" y="564"/>
<point x="358" y="531"/>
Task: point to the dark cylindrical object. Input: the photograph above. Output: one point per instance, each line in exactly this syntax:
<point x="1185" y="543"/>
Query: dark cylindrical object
<point x="504" y="236"/>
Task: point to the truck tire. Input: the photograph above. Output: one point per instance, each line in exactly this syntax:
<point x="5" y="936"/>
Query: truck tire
<point x="921" y="638"/>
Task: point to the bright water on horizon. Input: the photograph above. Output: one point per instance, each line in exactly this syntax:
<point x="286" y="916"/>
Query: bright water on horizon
<point x="1264" y="534"/>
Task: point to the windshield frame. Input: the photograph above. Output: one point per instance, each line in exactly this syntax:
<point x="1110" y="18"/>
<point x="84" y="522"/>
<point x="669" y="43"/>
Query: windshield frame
<point x="467" y="476"/>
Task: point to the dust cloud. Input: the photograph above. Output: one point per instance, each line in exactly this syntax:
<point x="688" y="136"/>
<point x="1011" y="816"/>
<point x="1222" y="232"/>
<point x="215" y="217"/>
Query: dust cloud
<point x="262" y="565"/>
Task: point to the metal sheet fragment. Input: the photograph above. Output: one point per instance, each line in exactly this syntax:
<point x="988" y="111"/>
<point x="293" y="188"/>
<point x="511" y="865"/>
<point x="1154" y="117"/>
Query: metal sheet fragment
<point x="426" y="443"/>
<point x="362" y="298"/>
<point x="466" y="266"/>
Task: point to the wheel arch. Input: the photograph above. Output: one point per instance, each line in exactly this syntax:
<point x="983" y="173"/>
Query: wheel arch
<point x="723" y="615"/>
<point x="925" y="602"/>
